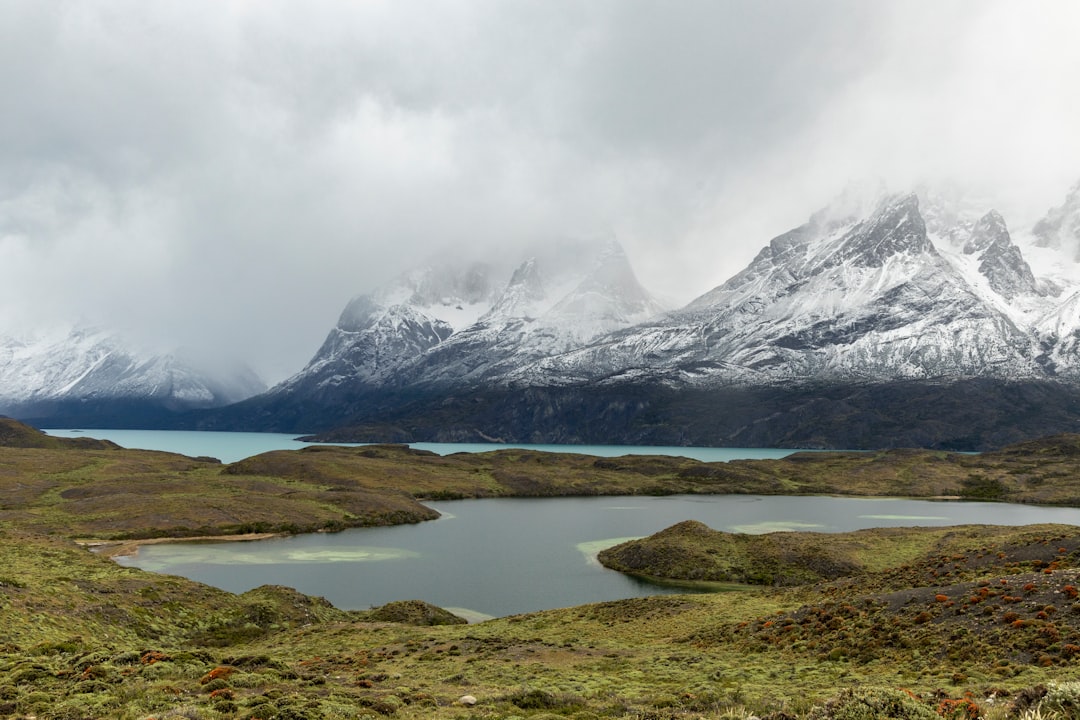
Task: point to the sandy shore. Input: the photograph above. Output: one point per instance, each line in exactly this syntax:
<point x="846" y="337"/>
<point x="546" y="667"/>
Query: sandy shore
<point x="130" y="548"/>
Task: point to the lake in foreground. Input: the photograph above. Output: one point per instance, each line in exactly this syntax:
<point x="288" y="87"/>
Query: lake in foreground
<point x="505" y="556"/>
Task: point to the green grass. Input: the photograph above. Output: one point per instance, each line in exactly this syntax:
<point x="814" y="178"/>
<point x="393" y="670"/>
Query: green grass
<point x="917" y="622"/>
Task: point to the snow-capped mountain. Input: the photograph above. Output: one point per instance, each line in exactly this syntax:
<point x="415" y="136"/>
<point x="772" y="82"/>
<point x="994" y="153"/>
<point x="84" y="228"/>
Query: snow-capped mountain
<point x="883" y="320"/>
<point x="840" y="298"/>
<point x="378" y="333"/>
<point x="540" y="314"/>
<point x="52" y="374"/>
<point x="448" y="324"/>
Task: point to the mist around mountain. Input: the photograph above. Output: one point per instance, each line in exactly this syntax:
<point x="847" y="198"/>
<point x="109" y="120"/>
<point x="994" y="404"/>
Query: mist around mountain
<point x="883" y="320"/>
<point x="451" y="325"/>
<point x="85" y="376"/>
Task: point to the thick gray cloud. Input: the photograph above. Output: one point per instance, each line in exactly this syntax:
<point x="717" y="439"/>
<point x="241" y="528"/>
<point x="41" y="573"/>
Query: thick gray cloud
<point x="226" y="174"/>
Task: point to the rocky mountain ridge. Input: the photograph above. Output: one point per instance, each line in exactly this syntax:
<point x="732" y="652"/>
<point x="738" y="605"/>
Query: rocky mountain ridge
<point x="849" y="299"/>
<point x="909" y="292"/>
<point x="1060" y="228"/>
<point x="407" y="334"/>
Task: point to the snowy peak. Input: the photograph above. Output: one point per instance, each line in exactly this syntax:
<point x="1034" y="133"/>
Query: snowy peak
<point x="609" y="298"/>
<point x="451" y="294"/>
<point x="606" y="297"/>
<point x="830" y="239"/>
<point x="542" y="314"/>
<point x="379" y="332"/>
<point x="950" y="213"/>
<point x="523" y="296"/>
<point x="454" y="293"/>
<point x="454" y="323"/>
<point x="1060" y="228"/>
<point x="450" y="285"/>
<point x="830" y="261"/>
<point x="373" y="340"/>
<point x="896" y="227"/>
<point x="988" y="232"/>
<point x="1000" y="260"/>
<point x="360" y="313"/>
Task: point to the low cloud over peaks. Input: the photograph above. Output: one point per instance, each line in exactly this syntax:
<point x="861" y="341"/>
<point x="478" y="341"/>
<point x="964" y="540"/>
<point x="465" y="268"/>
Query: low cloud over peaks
<point x="227" y="175"/>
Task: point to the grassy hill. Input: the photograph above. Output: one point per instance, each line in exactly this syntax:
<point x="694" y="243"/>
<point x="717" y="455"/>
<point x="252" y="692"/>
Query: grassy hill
<point x="954" y="622"/>
<point x="14" y="434"/>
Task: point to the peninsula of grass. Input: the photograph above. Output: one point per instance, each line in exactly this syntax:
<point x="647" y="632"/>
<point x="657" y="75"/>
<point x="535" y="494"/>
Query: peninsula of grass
<point x="947" y="622"/>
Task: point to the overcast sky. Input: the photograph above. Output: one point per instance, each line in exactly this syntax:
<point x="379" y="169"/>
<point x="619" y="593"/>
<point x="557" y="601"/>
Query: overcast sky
<point x="226" y="174"/>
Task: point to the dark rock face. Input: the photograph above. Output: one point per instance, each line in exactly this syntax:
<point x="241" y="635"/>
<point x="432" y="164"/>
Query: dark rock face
<point x="896" y="227"/>
<point x="1001" y="262"/>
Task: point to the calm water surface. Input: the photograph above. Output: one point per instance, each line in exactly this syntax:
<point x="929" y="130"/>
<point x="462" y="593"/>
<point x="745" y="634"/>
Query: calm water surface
<point x="504" y="556"/>
<point x="233" y="446"/>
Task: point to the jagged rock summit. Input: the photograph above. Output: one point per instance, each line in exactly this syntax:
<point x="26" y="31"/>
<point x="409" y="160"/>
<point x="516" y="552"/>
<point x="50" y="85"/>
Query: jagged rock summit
<point x="838" y="299"/>
<point x="1000" y="260"/>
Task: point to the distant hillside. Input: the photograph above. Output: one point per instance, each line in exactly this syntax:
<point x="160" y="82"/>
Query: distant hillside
<point x="15" y="434"/>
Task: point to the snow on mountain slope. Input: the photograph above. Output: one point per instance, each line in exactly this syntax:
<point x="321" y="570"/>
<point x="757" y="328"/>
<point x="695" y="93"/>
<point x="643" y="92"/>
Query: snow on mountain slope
<point x="607" y="299"/>
<point x="83" y="363"/>
<point x="464" y="323"/>
<point x="842" y="297"/>
<point x="541" y="312"/>
<point x="378" y="333"/>
<point x="1000" y="261"/>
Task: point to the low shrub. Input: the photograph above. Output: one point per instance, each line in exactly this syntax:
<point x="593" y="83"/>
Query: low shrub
<point x="543" y="700"/>
<point x="873" y="704"/>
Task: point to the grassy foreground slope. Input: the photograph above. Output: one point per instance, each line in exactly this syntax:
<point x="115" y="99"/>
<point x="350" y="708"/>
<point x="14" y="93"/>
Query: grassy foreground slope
<point x="952" y="620"/>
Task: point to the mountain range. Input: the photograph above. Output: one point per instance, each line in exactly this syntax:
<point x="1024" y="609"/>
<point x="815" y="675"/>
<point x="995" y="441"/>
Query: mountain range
<point x="90" y="376"/>
<point x="884" y="320"/>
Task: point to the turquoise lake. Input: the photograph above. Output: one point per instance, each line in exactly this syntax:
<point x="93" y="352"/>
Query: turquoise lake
<point x="233" y="446"/>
